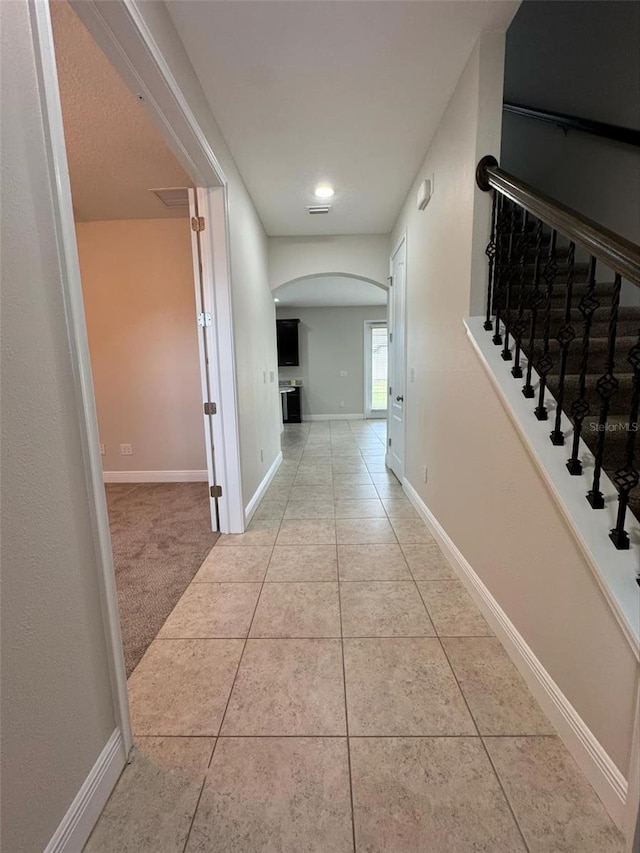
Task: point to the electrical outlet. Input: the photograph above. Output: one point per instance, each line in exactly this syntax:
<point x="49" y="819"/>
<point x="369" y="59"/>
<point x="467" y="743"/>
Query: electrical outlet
<point x="342" y="404"/>
<point x="343" y="373"/>
<point x="102" y="450"/>
<point x="126" y="450"/>
<point x="425" y="472"/>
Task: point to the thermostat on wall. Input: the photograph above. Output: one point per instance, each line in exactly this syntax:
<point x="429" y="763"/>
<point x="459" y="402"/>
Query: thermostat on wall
<point x="424" y="194"/>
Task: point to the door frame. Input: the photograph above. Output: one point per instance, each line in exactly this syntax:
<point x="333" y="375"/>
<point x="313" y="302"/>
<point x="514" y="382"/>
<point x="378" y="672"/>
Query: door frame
<point x="370" y="413"/>
<point x="120" y="30"/>
<point x="397" y="355"/>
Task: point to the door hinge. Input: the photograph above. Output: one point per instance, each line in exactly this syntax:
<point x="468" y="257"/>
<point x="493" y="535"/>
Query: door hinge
<point x="389" y="442"/>
<point x="210" y="408"/>
<point x="215" y="491"/>
<point x="390" y="280"/>
<point x="204" y="319"/>
<point x="197" y="223"/>
<point x="390" y="390"/>
<point x="390" y="337"/>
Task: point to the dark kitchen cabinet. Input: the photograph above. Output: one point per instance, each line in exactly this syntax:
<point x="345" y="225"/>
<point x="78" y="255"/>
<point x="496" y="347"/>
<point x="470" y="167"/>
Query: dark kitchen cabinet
<point x="287" y="333"/>
<point x="291" y="406"/>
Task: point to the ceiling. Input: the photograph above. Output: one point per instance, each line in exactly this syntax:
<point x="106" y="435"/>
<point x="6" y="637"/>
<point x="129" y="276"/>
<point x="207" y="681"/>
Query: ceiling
<point x="329" y="291"/>
<point x="115" y="153"/>
<point x="345" y="92"/>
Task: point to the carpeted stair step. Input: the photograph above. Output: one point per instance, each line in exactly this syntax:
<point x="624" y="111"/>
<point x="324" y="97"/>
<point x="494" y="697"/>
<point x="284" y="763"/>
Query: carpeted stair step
<point x="598" y="354"/>
<point x="628" y="326"/>
<point x="620" y="401"/>
<point x="603" y="292"/>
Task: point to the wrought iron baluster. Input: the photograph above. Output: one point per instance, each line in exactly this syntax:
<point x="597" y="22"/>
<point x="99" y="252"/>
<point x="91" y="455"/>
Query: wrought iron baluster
<point x="490" y="252"/>
<point x="500" y="268"/>
<point x="520" y="324"/>
<point x="580" y="407"/>
<point x="545" y="362"/>
<point x="536" y="301"/>
<point x="511" y="267"/>
<point x="628" y="477"/>
<point x="607" y="386"/>
<point x="566" y="333"/>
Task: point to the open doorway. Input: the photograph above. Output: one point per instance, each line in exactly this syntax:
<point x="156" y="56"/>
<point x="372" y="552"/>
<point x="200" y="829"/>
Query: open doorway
<point x="332" y="349"/>
<point x="136" y="248"/>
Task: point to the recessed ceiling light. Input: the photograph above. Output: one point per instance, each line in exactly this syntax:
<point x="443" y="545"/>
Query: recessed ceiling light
<point x="275" y="299"/>
<point x="324" y="191"/>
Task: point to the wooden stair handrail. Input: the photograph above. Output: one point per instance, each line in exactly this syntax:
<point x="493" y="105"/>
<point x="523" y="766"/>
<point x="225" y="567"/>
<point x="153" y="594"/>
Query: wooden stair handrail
<point x="620" y="255"/>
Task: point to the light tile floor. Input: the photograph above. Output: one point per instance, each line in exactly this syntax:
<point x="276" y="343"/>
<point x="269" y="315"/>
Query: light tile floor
<point x="326" y="684"/>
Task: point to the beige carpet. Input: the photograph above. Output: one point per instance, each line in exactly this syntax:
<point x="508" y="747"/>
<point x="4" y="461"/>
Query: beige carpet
<point x="160" y="534"/>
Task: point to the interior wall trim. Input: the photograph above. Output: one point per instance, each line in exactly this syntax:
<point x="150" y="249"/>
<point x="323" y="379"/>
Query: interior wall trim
<point x="341" y="417"/>
<point x="262" y="488"/>
<point x="76" y="826"/>
<point x="155" y="476"/>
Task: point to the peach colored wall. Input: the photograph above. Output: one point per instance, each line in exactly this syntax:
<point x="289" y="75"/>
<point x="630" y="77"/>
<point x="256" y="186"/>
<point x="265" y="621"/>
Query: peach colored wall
<point x="137" y="281"/>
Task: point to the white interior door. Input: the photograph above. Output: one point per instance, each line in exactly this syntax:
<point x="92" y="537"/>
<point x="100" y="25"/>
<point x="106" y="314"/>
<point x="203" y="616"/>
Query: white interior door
<point x="397" y="360"/>
<point x="204" y="320"/>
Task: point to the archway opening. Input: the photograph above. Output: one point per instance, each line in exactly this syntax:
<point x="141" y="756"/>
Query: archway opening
<point x="332" y="334"/>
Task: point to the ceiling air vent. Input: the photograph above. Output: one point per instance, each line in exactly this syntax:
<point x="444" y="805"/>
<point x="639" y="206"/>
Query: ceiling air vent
<point x="173" y="196"/>
<point x="314" y="209"/>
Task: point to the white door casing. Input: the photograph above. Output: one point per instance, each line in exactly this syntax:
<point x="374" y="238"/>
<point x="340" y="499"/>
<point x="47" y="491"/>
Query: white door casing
<point x="397" y="359"/>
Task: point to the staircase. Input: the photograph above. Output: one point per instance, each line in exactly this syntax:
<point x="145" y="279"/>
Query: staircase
<point x="564" y="306"/>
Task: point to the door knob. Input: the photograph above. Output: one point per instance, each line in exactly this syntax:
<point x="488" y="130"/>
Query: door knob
<point x="399" y="399"/>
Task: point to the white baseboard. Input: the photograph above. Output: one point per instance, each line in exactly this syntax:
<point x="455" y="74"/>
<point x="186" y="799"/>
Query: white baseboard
<point x="341" y="417"/>
<point x="262" y="488"/>
<point x="155" y="476"/>
<point x="606" y="779"/>
<point x="77" y="824"/>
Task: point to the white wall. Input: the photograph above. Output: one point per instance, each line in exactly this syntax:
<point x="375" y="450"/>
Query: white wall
<point x="137" y="282"/>
<point x="331" y="340"/>
<point x="580" y="58"/>
<point x="254" y="311"/>
<point x="483" y="487"/>
<point x="57" y="707"/>
<point x="363" y="256"/>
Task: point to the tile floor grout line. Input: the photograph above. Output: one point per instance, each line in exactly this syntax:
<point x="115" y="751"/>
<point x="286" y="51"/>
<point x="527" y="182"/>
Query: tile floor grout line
<point x="204" y="782"/>
<point x="377" y="736"/>
<point x="346" y="636"/>
<point x="486" y="751"/>
<point x="246" y="640"/>
<point x="505" y="795"/>
<point x="346" y="708"/>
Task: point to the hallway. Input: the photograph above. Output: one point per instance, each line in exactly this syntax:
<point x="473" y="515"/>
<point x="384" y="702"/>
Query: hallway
<point x="370" y="708"/>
